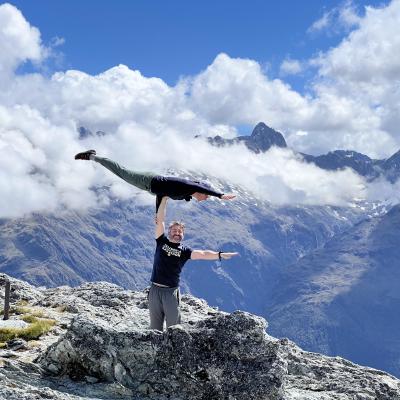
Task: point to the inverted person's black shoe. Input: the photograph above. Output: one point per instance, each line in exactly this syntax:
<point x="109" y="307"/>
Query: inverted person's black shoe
<point x="85" y="155"/>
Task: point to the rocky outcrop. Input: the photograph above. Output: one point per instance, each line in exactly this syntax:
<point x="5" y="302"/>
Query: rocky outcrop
<point x="19" y="290"/>
<point x="223" y="356"/>
<point x="102" y="348"/>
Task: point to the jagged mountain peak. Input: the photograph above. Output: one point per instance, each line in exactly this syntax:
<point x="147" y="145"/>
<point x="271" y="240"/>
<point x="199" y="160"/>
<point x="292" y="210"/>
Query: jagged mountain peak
<point x="261" y="139"/>
<point x="263" y="130"/>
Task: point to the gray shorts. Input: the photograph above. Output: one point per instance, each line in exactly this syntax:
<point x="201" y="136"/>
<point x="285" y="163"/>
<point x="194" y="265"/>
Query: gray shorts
<point x="164" y="305"/>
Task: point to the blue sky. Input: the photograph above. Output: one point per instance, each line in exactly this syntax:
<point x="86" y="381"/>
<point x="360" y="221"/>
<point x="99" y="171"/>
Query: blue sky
<point x="170" y="39"/>
<point x="154" y="74"/>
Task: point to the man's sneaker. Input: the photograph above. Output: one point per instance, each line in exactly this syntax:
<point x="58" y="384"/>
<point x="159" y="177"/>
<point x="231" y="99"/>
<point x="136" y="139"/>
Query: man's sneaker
<point x="85" y="155"/>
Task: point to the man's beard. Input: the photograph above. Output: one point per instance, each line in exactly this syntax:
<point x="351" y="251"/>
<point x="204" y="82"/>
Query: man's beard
<point x="177" y="238"/>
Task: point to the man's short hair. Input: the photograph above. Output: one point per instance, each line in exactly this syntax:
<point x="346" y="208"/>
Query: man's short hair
<point x="179" y="223"/>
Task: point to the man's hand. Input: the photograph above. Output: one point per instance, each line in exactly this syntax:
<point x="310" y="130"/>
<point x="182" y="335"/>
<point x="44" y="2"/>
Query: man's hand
<point x="227" y="256"/>
<point x="228" y="196"/>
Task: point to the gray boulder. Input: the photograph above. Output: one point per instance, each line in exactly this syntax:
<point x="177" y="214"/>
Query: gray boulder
<point x="19" y="290"/>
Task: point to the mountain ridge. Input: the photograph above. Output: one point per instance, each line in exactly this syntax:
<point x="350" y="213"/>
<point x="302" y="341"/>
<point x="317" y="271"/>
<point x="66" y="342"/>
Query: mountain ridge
<point x="264" y="137"/>
<point x="346" y="293"/>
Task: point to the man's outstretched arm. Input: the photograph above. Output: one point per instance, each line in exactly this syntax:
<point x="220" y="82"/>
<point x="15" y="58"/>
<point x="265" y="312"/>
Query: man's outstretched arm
<point x="160" y="218"/>
<point x="211" y="255"/>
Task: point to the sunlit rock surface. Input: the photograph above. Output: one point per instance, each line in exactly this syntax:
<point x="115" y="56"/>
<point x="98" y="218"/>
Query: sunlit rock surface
<point x="102" y="348"/>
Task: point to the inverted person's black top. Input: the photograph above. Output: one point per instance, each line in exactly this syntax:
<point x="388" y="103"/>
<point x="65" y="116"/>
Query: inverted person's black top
<point x="178" y="188"/>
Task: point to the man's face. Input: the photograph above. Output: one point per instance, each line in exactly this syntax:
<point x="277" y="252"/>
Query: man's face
<point x="175" y="234"/>
<point x="200" y="196"/>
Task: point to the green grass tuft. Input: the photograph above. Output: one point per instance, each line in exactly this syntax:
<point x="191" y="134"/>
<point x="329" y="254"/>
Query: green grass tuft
<point x="29" y="319"/>
<point x="32" y="331"/>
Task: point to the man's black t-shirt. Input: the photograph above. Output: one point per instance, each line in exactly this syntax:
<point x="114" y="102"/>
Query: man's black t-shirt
<point x="169" y="259"/>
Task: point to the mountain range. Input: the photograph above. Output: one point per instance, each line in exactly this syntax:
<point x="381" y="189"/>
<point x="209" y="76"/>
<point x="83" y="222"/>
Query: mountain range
<point x="263" y="138"/>
<point x="323" y="276"/>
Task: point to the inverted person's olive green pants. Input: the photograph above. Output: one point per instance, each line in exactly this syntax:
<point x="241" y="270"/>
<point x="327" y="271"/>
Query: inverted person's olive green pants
<point x="141" y="180"/>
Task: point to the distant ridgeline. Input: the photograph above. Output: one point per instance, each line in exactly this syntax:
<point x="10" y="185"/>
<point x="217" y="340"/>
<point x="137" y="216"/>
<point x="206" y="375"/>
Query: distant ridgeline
<point x="263" y="138"/>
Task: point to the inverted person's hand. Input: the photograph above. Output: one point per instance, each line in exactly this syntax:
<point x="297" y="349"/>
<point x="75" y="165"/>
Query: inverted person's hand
<point x="228" y="196"/>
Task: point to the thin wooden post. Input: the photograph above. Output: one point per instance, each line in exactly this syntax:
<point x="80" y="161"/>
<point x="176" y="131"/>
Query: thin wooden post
<point x="7" y="300"/>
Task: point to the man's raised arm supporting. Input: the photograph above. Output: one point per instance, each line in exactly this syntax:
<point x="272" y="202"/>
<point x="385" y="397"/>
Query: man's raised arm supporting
<point x="211" y="255"/>
<point x="160" y="218"/>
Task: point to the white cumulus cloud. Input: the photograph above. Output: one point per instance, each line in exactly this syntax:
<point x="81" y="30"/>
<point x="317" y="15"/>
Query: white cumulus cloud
<point x="19" y="41"/>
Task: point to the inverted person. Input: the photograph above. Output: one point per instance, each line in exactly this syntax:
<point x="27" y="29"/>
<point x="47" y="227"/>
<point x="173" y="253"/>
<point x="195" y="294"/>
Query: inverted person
<point x="170" y="186"/>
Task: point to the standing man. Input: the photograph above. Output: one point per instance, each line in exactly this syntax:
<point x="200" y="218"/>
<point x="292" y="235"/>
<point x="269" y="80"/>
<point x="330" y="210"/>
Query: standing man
<point x="171" y="186"/>
<point x="169" y="258"/>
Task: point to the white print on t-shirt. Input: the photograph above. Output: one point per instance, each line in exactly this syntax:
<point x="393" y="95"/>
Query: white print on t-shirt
<point x="171" y="251"/>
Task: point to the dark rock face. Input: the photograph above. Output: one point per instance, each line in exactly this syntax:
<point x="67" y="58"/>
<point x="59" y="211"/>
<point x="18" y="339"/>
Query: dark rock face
<point x="340" y="159"/>
<point x="262" y="139"/>
<point x="391" y="166"/>
<point x="387" y="168"/>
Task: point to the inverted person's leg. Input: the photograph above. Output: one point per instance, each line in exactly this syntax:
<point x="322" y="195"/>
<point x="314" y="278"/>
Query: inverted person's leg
<point x="141" y="180"/>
